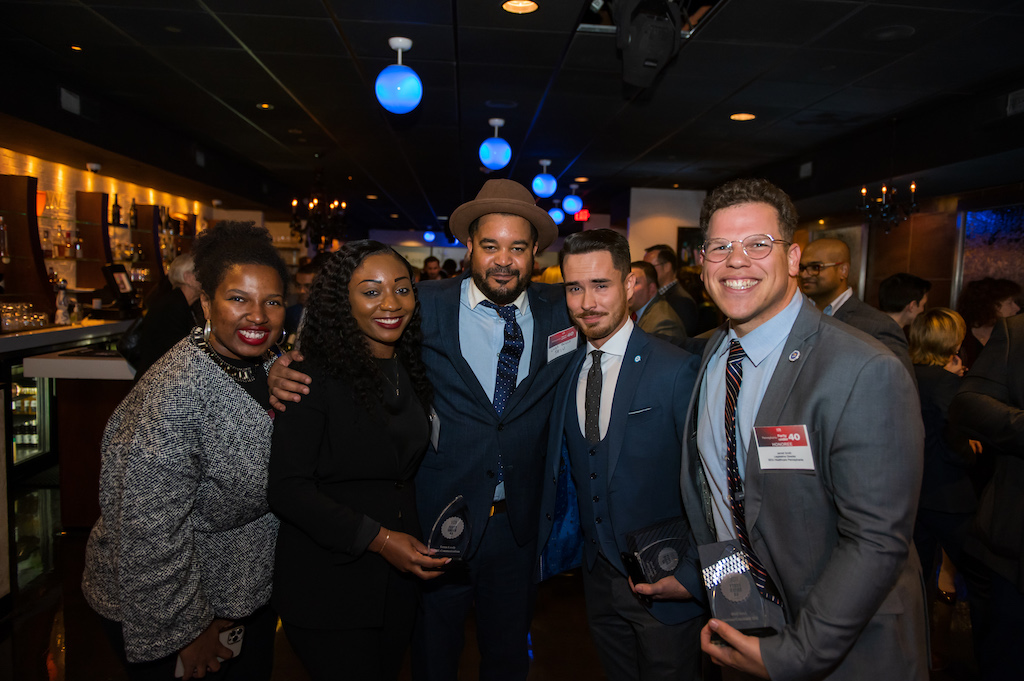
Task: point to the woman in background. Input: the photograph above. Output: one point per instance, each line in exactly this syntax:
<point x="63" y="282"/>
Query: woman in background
<point x="349" y="553"/>
<point x="981" y="303"/>
<point x="184" y="546"/>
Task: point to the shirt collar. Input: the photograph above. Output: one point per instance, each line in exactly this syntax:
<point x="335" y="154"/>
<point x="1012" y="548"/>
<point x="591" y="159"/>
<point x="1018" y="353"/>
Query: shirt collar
<point x="616" y="345"/>
<point x="475" y="296"/>
<point x="664" y="289"/>
<point x="831" y="308"/>
<point x="760" y="342"/>
<point x="640" y="312"/>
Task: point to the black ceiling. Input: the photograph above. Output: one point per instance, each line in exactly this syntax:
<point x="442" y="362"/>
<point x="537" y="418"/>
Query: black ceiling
<point x="161" y="80"/>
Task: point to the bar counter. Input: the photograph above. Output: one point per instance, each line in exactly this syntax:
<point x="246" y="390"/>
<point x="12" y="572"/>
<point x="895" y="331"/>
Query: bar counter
<point x="88" y="331"/>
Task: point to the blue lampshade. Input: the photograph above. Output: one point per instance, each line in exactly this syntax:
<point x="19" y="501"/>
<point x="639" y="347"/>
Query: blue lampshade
<point x="544" y="185"/>
<point x="429" y="236"/>
<point x="495" y="153"/>
<point x="556" y="213"/>
<point x="398" y="89"/>
<point x="572" y="204"/>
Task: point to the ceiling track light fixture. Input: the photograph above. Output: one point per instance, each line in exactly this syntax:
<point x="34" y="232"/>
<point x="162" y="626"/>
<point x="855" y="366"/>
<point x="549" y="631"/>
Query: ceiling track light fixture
<point x="495" y="152"/>
<point x="544" y="183"/>
<point x="398" y="88"/>
<point x="572" y="204"/>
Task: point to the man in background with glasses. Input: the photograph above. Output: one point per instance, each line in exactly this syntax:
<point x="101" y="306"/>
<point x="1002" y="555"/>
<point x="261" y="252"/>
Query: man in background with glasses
<point x="825" y="277"/>
<point x="823" y="517"/>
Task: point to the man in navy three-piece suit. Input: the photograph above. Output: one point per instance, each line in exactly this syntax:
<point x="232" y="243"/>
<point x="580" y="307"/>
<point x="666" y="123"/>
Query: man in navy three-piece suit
<point x="620" y="413"/>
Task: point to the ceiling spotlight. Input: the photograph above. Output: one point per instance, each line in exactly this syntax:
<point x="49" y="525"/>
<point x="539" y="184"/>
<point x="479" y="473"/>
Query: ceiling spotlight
<point x="743" y="117"/>
<point x="398" y="88"/>
<point x="371" y="197"/>
<point x="544" y="183"/>
<point x="76" y="48"/>
<point x="394" y="216"/>
<point x="581" y="179"/>
<point x="520" y="6"/>
<point x="495" y="152"/>
<point x="265" y="106"/>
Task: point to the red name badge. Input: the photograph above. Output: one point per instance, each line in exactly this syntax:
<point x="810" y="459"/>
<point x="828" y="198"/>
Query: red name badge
<point x="562" y="343"/>
<point x="784" y="448"/>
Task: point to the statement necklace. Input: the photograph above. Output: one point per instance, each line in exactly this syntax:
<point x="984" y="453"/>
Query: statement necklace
<point x="238" y="374"/>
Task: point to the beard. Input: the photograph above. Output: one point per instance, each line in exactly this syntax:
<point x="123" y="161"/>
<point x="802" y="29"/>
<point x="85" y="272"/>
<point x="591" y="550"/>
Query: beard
<point x="505" y="294"/>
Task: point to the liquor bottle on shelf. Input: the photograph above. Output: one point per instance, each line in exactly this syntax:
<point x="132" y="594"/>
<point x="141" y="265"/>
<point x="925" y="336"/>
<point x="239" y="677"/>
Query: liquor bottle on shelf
<point x="139" y="255"/>
<point x="69" y="245"/>
<point x="133" y="216"/>
<point x="5" y="253"/>
<point x="58" y="243"/>
<point x="46" y="244"/>
<point x="115" y="212"/>
<point x="53" y="279"/>
<point x="79" y="246"/>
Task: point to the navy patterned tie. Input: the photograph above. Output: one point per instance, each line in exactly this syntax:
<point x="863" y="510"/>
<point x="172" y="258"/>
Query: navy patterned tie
<point x="733" y="378"/>
<point x="592" y="399"/>
<point x="508" y="358"/>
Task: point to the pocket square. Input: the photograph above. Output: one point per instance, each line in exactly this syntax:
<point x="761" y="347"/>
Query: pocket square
<point x="640" y="411"/>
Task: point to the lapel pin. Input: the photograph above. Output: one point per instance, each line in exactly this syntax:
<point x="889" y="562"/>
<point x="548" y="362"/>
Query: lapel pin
<point x="637" y="358"/>
<point x="794" y="356"/>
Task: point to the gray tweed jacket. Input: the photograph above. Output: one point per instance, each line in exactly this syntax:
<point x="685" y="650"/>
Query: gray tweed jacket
<point x="185" y="532"/>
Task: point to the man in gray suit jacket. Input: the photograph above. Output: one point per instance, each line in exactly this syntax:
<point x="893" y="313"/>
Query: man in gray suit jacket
<point x="829" y="523"/>
<point x="825" y="274"/>
<point x="653" y="313"/>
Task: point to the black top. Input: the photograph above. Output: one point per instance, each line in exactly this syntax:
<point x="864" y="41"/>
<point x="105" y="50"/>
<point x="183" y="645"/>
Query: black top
<point x="946" y="484"/>
<point x="337" y="474"/>
<point x="258" y="388"/>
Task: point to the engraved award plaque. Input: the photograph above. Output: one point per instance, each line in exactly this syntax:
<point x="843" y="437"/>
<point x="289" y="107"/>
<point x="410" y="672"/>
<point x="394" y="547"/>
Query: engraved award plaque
<point x="450" y="534"/>
<point x="659" y="548"/>
<point x="733" y="593"/>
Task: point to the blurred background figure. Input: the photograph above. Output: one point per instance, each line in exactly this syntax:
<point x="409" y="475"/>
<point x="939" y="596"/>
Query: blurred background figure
<point x="303" y="282"/>
<point x="903" y="297"/>
<point x="982" y="303"/>
<point x="666" y="266"/>
<point x="948" y="499"/>
<point x="431" y="269"/>
<point x="171" y="316"/>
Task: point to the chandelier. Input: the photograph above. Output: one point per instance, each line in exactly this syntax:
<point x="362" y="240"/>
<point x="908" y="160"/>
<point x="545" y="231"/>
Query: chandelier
<point x="887" y="210"/>
<point x="317" y="221"/>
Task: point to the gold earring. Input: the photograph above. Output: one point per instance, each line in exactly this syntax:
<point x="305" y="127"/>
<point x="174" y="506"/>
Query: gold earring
<point x="207" y="329"/>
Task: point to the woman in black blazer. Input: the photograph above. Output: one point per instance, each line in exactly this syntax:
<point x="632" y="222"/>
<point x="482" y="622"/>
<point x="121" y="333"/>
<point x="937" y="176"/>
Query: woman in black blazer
<point x="349" y="551"/>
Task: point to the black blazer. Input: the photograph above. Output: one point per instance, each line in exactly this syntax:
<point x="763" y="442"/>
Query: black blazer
<point x="337" y="473"/>
<point x="946" y="485"/>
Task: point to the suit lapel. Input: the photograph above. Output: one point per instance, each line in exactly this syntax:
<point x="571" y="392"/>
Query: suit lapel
<point x="799" y="344"/>
<point x="625" y="387"/>
<point x="542" y="312"/>
<point x="565" y="396"/>
<point x="449" y="306"/>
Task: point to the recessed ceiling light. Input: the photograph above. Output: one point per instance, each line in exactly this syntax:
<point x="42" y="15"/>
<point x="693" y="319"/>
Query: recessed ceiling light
<point x="172" y="29"/>
<point x="76" y="48"/>
<point x="442" y="218"/>
<point x="821" y="221"/>
<point x="675" y="186"/>
<point x="501" y="104"/>
<point x="519" y="6"/>
<point x="394" y="216"/>
<point x="294" y="131"/>
<point x="581" y="179"/>
<point x="265" y="106"/>
<point x="743" y="117"/>
<point x="372" y="197"/>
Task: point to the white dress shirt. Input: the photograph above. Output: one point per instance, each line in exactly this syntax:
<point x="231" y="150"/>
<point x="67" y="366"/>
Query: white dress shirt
<point x="611" y="361"/>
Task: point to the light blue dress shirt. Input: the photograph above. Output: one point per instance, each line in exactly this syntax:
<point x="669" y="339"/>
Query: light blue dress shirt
<point x="482" y="336"/>
<point x="763" y="347"/>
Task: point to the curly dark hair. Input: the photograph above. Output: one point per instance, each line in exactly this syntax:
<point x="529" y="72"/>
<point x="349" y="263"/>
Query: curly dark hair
<point x="979" y="300"/>
<point x="226" y="244"/>
<point x="332" y="341"/>
<point x="742" y="191"/>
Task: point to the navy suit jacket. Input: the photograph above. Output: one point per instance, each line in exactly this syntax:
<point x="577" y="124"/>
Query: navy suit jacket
<point x="471" y="434"/>
<point x="645" y="436"/>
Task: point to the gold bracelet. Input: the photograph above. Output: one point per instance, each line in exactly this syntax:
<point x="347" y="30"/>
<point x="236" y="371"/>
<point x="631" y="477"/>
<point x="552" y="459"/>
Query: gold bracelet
<point x="386" y="537"/>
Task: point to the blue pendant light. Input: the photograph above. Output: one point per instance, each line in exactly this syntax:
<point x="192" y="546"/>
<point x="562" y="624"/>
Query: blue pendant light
<point x="398" y="88"/>
<point x="572" y="204"/>
<point x="556" y="213"/>
<point x="495" y="153"/>
<point x="544" y="184"/>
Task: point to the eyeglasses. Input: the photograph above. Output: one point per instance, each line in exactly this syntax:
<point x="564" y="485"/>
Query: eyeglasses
<point x="815" y="268"/>
<point x="755" y="247"/>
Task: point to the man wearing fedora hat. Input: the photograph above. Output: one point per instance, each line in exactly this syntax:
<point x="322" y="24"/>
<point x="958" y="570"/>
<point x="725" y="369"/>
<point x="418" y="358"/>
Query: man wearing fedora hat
<point x="495" y="346"/>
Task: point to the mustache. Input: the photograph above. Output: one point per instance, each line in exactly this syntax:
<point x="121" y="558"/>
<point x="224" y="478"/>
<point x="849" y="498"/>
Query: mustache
<point x="586" y="313"/>
<point x="506" y="271"/>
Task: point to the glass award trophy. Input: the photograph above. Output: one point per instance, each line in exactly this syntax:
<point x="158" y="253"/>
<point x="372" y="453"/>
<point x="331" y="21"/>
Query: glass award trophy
<point x="450" y="535"/>
<point x="733" y="593"/>
<point x="659" y="548"/>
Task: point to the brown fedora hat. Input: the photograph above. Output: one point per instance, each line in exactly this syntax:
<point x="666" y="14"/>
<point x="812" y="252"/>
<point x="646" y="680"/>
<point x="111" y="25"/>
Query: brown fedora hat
<point x="504" y="196"/>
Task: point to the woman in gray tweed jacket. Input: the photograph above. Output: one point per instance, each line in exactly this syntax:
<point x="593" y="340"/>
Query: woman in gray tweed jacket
<point x="185" y="543"/>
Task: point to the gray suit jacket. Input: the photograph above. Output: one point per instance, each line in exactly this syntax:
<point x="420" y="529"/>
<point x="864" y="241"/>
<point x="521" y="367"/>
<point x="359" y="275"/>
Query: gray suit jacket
<point x="878" y="325"/>
<point x="836" y="541"/>
<point x="660" y="320"/>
